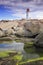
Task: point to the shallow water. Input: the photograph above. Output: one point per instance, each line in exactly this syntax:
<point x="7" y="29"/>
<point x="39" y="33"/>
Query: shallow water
<point x="12" y="46"/>
<point x="19" y="47"/>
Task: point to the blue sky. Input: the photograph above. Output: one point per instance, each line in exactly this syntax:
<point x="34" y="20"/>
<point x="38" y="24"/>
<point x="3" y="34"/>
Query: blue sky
<point x="16" y="9"/>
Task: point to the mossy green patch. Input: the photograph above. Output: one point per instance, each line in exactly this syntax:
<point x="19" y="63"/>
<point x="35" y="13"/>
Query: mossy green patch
<point x="31" y="60"/>
<point x="28" y="47"/>
<point x="18" y="40"/>
<point x="4" y="54"/>
<point x="29" y="42"/>
<point x="17" y="58"/>
<point x="30" y="50"/>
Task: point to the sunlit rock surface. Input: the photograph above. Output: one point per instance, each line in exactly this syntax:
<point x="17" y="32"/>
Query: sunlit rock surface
<point x="22" y="27"/>
<point x="1" y="33"/>
<point x="33" y="28"/>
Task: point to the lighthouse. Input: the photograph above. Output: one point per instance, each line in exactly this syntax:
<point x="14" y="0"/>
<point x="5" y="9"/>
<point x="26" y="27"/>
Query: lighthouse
<point x="27" y="13"/>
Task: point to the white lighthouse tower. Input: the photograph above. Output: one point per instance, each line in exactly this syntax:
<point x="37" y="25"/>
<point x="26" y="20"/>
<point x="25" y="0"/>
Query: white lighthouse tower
<point x="27" y="13"/>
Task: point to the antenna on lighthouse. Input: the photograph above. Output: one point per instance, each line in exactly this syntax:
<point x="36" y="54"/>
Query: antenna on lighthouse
<point x="27" y="11"/>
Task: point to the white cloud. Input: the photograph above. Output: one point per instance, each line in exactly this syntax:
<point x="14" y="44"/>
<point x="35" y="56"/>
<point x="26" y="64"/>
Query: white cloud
<point x="36" y="15"/>
<point x="19" y="15"/>
<point x="18" y="7"/>
<point x="40" y="15"/>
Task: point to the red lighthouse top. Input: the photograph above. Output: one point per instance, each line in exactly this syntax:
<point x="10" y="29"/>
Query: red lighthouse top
<point x="28" y="10"/>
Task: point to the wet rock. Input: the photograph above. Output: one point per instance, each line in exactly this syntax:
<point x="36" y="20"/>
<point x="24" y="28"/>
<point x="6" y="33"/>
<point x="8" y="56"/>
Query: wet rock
<point x="12" y="54"/>
<point x="39" y="40"/>
<point x="34" y="63"/>
<point x="9" y="62"/>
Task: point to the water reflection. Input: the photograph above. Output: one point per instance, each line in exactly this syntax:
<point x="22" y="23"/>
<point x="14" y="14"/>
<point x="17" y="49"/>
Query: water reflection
<point x="12" y="46"/>
<point x="32" y="52"/>
<point x="28" y="53"/>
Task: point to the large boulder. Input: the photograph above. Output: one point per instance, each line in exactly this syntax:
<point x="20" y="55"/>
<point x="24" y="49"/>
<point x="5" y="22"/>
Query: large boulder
<point x="20" y="31"/>
<point x="39" y="40"/>
<point x="41" y="26"/>
<point x="23" y="32"/>
<point x="9" y="31"/>
<point x="34" y="28"/>
<point x="1" y="33"/>
<point x="28" y="29"/>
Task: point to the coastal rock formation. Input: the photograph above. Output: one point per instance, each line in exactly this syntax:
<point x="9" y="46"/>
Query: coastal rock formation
<point x="9" y="32"/>
<point x="28" y="29"/>
<point x="41" y="26"/>
<point x="6" y="32"/>
<point x="33" y="28"/>
<point x="19" y="31"/>
<point x="39" y="40"/>
<point x="22" y="27"/>
<point x="1" y="34"/>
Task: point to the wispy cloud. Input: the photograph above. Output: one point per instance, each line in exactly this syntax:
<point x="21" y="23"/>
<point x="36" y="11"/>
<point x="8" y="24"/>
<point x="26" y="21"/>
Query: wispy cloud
<point x="19" y="6"/>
